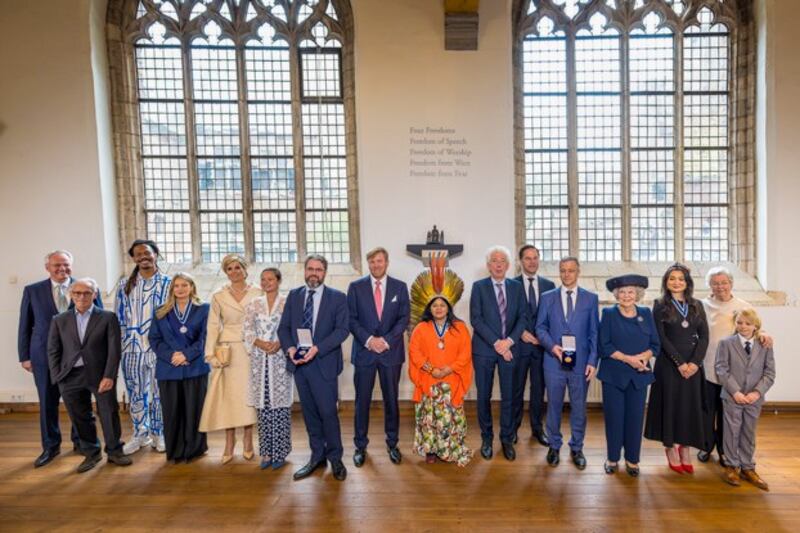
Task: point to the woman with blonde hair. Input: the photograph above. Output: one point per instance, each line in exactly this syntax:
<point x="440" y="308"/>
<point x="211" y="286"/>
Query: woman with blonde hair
<point x="226" y="402"/>
<point x="178" y="336"/>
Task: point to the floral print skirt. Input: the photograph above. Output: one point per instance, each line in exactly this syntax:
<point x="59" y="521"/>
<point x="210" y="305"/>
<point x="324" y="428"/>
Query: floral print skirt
<point x="441" y="428"/>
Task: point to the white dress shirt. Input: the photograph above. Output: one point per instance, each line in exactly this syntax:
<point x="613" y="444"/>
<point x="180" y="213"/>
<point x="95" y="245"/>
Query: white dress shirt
<point x="564" y="299"/>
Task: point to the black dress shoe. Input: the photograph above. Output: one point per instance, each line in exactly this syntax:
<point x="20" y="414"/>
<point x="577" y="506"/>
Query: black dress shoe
<point x="610" y="468"/>
<point x="308" y="469"/>
<point x="339" y="471"/>
<point x="90" y="462"/>
<point x="46" y="457"/>
<point x="552" y="457"/>
<point x="508" y="451"/>
<point x="702" y="456"/>
<point x="486" y="449"/>
<point x="119" y="459"/>
<point x="359" y="457"/>
<point x="395" y="456"/>
<point x="578" y="459"/>
<point x="541" y="438"/>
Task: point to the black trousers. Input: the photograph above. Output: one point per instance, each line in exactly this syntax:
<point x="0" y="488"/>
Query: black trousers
<point x="714" y="417"/>
<point x="529" y="365"/>
<point x="77" y="394"/>
<point x="181" y="406"/>
<point x="49" y="397"/>
<point x="364" y="381"/>
<point x="484" y="382"/>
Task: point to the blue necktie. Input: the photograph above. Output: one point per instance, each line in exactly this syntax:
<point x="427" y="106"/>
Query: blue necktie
<point x="570" y="305"/>
<point x="308" y="311"/>
<point x="532" y="303"/>
<point x="747" y="348"/>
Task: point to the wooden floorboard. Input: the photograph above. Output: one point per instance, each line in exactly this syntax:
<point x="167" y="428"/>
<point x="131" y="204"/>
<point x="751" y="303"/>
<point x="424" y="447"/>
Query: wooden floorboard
<point x="494" y="495"/>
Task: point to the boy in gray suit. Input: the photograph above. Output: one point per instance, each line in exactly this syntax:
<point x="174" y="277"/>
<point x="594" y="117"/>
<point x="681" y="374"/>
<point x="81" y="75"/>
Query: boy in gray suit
<point x="746" y="370"/>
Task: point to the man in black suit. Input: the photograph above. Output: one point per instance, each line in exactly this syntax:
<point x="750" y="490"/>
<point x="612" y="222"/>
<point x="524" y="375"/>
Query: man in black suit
<point x="42" y="301"/>
<point x="83" y="350"/>
<point x="531" y="352"/>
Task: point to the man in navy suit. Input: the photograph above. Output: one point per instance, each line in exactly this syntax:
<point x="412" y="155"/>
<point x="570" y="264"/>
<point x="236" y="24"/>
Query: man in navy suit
<point x="498" y="313"/>
<point x="320" y="311"/>
<point x="41" y="301"/>
<point x="379" y="312"/>
<point x="531" y="353"/>
<point x="566" y="314"/>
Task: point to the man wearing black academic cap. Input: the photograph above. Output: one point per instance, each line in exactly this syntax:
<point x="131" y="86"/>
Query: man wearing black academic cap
<point x="138" y="296"/>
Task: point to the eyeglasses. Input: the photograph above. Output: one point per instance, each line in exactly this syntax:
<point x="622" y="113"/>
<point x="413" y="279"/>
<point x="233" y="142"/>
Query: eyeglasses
<point x="82" y="294"/>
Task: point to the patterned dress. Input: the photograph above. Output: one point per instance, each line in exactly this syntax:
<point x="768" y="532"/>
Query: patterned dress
<point x="441" y="425"/>
<point x="270" y="388"/>
<point x="135" y="312"/>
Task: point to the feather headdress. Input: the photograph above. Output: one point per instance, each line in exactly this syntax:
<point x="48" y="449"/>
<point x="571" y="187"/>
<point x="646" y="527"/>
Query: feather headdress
<point x="438" y="281"/>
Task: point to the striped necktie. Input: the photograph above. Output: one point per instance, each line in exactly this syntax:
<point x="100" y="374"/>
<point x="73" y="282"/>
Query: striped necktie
<point x="308" y="310"/>
<point x="501" y="306"/>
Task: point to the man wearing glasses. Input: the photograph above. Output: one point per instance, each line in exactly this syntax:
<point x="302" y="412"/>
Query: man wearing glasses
<point x="83" y="351"/>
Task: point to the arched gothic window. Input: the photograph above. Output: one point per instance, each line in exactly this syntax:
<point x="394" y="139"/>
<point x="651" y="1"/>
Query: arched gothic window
<point x="627" y="113"/>
<point x="237" y="126"/>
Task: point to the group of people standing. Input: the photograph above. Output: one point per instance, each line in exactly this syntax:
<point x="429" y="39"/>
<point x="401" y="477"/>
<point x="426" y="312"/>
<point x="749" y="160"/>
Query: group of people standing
<point x="191" y="367"/>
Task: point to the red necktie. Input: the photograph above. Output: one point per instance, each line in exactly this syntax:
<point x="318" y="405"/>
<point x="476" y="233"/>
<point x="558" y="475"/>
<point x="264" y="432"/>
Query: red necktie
<point x="378" y="298"/>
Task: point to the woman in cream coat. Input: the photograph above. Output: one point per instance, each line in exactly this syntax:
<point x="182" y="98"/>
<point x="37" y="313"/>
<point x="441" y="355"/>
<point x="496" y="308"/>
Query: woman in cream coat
<point x="226" y="405"/>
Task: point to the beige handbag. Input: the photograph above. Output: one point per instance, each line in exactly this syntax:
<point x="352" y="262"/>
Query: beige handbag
<point x="223" y="354"/>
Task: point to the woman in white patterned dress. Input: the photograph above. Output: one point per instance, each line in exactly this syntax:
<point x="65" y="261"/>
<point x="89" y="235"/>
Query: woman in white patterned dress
<point x="270" y="390"/>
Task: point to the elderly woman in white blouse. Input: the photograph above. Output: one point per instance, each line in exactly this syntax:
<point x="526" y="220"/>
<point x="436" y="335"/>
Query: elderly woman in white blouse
<point x="720" y="307"/>
<point x="270" y="387"/>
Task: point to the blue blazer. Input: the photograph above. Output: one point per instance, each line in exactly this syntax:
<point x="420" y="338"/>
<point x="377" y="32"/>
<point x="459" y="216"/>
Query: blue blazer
<point x="329" y="333"/>
<point x="544" y="285"/>
<point x="484" y="316"/>
<point x="364" y="321"/>
<point x="37" y="310"/>
<point x="629" y="336"/>
<point x="166" y="339"/>
<point x="551" y="325"/>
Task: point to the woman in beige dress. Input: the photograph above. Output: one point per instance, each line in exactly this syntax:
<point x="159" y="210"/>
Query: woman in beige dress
<point x="226" y="406"/>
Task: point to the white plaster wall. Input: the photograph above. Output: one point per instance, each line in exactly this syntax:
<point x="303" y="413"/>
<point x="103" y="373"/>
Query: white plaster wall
<point x="50" y="165"/>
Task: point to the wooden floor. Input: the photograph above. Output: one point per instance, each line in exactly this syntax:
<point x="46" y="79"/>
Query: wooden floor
<point x="485" y="496"/>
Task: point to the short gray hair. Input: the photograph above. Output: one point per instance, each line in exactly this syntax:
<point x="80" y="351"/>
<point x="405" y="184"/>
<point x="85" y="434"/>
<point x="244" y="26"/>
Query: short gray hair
<point x="498" y="249"/>
<point x="89" y="282"/>
<point x="718" y="271"/>
<point x="639" y="292"/>
<point x="57" y="252"/>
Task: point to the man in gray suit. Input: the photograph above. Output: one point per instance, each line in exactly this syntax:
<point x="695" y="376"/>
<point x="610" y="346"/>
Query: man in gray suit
<point x="746" y="370"/>
<point x="83" y="350"/>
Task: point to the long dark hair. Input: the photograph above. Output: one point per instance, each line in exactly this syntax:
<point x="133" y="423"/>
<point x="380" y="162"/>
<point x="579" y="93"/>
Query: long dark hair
<point x="688" y="293"/>
<point x="427" y="316"/>
<point x="132" y="278"/>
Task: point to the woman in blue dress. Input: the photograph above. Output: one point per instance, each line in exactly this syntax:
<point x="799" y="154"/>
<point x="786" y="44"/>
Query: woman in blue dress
<point x="628" y="339"/>
<point x="177" y="336"/>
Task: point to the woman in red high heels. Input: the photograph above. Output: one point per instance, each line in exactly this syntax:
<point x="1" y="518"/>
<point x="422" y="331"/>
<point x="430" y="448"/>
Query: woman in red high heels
<point x="675" y="411"/>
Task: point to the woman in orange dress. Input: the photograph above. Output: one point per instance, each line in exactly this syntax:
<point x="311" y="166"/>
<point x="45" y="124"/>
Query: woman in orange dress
<point x="440" y="367"/>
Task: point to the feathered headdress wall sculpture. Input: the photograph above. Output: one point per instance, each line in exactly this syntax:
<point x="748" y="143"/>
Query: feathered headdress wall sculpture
<point x="438" y="281"/>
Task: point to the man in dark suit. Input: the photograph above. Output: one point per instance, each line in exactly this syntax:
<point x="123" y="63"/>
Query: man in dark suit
<point x="379" y="312"/>
<point x="531" y="353"/>
<point x="498" y="313"/>
<point x="568" y="314"/>
<point x="312" y="330"/>
<point x="83" y="350"/>
<point x="41" y="301"/>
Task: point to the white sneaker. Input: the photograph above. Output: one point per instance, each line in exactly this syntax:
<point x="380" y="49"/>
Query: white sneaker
<point x="160" y="446"/>
<point x="135" y="444"/>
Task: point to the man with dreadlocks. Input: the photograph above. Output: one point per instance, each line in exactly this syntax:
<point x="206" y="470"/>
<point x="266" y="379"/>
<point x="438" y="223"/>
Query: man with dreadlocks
<point x="138" y="296"/>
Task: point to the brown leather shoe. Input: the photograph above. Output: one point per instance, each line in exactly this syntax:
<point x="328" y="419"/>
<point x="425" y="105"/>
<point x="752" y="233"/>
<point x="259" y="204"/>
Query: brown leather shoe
<point x="732" y="476"/>
<point x="751" y="477"/>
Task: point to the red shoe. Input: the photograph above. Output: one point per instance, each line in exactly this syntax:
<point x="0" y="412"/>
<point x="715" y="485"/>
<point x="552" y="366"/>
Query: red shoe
<point x="675" y="468"/>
